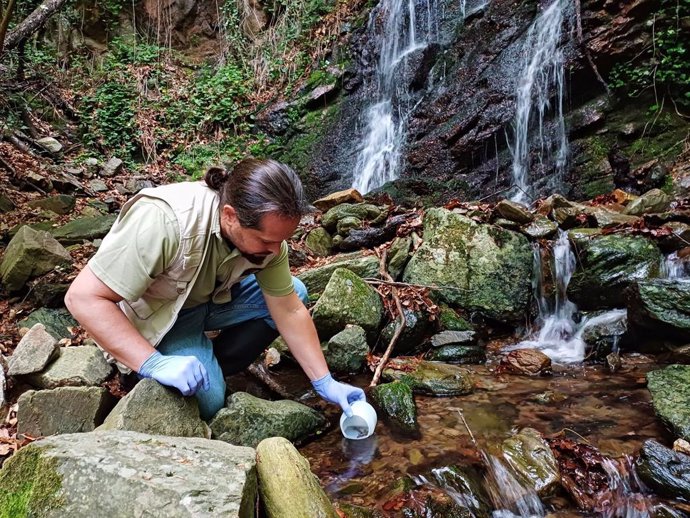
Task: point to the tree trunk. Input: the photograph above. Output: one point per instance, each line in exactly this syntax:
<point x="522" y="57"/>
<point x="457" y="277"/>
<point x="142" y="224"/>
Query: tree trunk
<point x="5" y="21"/>
<point x="32" y="23"/>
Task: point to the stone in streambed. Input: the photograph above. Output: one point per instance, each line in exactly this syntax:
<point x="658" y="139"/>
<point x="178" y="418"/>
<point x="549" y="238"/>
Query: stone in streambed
<point x="430" y="378"/>
<point x="670" y="389"/>
<point x="531" y="458"/>
<point x="529" y="362"/>
<point x="288" y="487"/>
<point x="665" y="471"/>
<point x="347" y="351"/>
<point x="152" y="408"/>
<point x="396" y="403"/>
<point x="247" y="420"/>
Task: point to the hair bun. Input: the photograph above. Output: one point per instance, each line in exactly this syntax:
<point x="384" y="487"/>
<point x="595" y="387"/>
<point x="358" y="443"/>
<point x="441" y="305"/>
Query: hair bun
<point x="215" y="177"/>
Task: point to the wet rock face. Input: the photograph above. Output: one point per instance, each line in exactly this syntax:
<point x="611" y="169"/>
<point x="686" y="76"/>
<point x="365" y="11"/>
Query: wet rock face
<point x="670" y="389"/>
<point x="661" y="307"/>
<point x="664" y="470"/>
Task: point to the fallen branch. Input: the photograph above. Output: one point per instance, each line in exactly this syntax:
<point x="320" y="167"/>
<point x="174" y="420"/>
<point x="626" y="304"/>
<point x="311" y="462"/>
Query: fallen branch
<point x="398" y="327"/>
<point x="32" y="23"/>
<point x="258" y="370"/>
<point x="371" y="280"/>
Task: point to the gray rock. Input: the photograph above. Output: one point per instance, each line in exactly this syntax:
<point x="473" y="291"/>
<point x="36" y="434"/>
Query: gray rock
<point x="58" y="322"/>
<point x="97" y="185"/>
<point x="346" y="352"/>
<point x="6" y="204"/>
<point x="84" y="229"/>
<point x="430" y="378"/>
<point x="654" y="200"/>
<point x="513" y="211"/>
<point x="288" y="487"/>
<point x="602" y="332"/>
<point x="670" y="389"/>
<point x="49" y="144"/>
<point x="62" y="410"/>
<point x="125" y="474"/>
<point x="454" y="338"/>
<point x="248" y="420"/>
<point x="665" y="471"/>
<point x="31" y="253"/>
<point x="347" y="299"/>
<point x="316" y="279"/>
<point x="319" y="241"/>
<point x="541" y="228"/>
<point x="112" y="167"/>
<point x="82" y="365"/>
<point x="155" y="409"/>
<point x="35" y="350"/>
<point x="60" y="204"/>
<point x="531" y="458"/>
<point x="463" y="354"/>
<point x="415" y="331"/>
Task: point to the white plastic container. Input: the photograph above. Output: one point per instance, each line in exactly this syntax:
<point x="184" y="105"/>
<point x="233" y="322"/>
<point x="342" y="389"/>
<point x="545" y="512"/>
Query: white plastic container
<point x="362" y="423"/>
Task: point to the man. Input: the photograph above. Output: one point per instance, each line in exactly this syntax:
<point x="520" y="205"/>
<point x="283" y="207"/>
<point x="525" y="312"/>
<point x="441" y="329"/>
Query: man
<point x="186" y="258"/>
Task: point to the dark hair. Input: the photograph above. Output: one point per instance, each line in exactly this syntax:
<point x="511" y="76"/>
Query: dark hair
<point x="258" y="187"/>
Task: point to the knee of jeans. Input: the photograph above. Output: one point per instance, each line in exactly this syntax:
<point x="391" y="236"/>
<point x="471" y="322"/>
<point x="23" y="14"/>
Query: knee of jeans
<point x="210" y="401"/>
<point x="301" y="290"/>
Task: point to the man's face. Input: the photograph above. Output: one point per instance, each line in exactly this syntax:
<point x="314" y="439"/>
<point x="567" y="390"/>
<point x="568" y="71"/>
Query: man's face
<point x="256" y="244"/>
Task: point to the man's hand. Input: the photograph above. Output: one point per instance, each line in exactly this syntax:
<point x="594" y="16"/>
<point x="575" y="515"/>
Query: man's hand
<point x="185" y="373"/>
<point x="339" y="393"/>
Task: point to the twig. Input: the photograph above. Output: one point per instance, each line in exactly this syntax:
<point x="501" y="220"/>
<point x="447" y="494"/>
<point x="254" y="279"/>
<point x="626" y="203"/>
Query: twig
<point x="474" y="441"/>
<point x="257" y="370"/>
<point x="398" y="327"/>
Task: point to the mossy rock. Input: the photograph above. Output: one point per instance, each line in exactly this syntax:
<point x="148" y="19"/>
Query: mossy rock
<point x="316" y="279"/>
<point x="396" y="401"/>
<point x="609" y="264"/>
<point x="670" y="389"/>
<point x="358" y="211"/>
<point x="531" y="458"/>
<point x="431" y="378"/>
<point x="660" y="307"/>
<point x="84" y="229"/>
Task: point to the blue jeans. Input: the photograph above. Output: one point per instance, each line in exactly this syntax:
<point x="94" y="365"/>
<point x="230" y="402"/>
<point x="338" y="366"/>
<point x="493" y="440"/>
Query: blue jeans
<point x="187" y="338"/>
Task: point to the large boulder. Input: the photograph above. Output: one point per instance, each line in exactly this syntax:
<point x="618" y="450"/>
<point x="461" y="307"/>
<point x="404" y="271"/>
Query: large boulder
<point x="123" y="474"/>
<point x="430" y="378"/>
<point x="59" y="204"/>
<point x="665" y="471"/>
<point x="609" y="264"/>
<point x="62" y="410"/>
<point x="361" y="211"/>
<point x="316" y="279"/>
<point x="31" y="253"/>
<point x="660" y="307"/>
<point x="288" y="487"/>
<point x="347" y="299"/>
<point x="478" y="267"/>
<point x="670" y="389"/>
<point x="152" y="408"/>
<point x="247" y="420"/>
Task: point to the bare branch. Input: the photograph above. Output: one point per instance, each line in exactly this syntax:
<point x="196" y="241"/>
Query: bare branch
<point x="32" y="23"/>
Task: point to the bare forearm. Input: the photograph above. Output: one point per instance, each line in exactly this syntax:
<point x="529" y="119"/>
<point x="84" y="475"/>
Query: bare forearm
<point x="94" y="305"/>
<point x="301" y="337"/>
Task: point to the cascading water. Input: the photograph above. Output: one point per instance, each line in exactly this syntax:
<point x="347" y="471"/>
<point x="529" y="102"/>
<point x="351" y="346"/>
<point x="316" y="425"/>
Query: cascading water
<point x="558" y="335"/>
<point x="542" y="72"/>
<point x="674" y="267"/>
<point x="386" y="117"/>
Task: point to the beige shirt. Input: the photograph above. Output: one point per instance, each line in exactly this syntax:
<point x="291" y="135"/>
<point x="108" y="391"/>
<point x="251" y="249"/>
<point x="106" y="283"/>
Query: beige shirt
<point x="144" y="244"/>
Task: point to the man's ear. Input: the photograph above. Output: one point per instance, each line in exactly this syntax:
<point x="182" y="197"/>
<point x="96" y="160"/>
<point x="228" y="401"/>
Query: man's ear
<point x="230" y="213"/>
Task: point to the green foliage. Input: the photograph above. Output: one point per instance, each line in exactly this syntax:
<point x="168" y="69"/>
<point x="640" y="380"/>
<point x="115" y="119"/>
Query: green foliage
<point x="112" y="125"/>
<point x="219" y="97"/>
<point x="665" y="66"/>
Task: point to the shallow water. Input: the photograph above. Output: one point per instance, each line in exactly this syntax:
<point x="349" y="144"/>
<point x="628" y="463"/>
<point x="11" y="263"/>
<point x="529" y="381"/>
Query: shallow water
<point x="612" y="412"/>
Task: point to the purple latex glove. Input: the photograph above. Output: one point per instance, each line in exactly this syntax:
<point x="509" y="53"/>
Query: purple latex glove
<point x="339" y="393"/>
<point x="185" y="373"/>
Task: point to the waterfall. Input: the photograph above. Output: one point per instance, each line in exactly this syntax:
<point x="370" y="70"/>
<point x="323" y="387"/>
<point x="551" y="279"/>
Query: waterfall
<point x="674" y="267"/>
<point x="542" y="72"/>
<point x="385" y="120"/>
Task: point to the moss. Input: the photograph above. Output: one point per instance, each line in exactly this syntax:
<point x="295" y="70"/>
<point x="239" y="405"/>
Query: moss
<point x="29" y="485"/>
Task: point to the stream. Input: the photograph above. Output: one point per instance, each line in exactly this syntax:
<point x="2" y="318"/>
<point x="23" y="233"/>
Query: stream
<point x="612" y="412"/>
